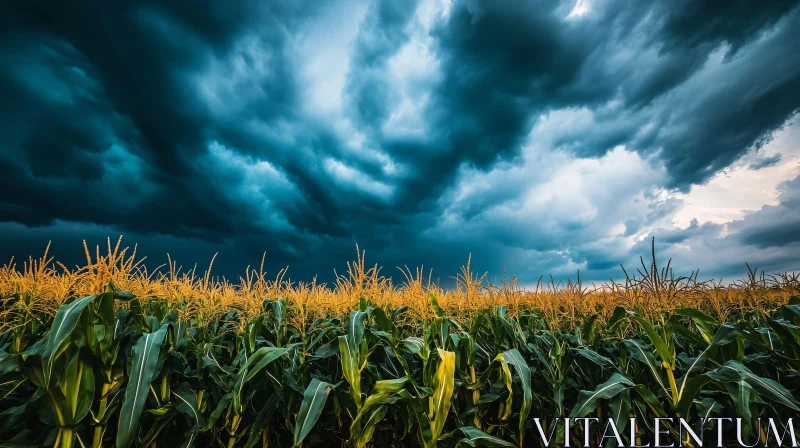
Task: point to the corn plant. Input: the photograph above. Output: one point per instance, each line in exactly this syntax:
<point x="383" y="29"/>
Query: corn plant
<point x="112" y="369"/>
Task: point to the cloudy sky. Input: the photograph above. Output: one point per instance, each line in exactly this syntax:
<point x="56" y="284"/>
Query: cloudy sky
<point x="542" y="137"/>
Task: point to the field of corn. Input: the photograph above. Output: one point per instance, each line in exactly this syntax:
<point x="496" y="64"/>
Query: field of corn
<point x="111" y="354"/>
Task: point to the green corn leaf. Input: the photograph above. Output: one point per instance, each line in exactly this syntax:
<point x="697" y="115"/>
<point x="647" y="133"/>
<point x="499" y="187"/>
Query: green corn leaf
<point x="9" y="362"/>
<point x="145" y="355"/>
<point x="353" y="352"/>
<point x="616" y="317"/>
<point x="743" y="396"/>
<point x="384" y="392"/>
<point x="383" y="320"/>
<point x="619" y="408"/>
<point x="726" y="334"/>
<point x="641" y="352"/>
<point x="598" y="359"/>
<point x="73" y="392"/>
<point x="689" y="390"/>
<point x="587" y="400"/>
<point x="691" y="338"/>
<point x="435" y="305"/>
<point x="367" y="423"/>
<point x="588" y="331"/>
<point x="475" y="437"/>
<point x="416" y="408"/>
<point x="350" y="368"/>
<point x="64" y="323"/>
<point x="702" y="320"/>
<point x="278" y="310"/>
<point x="505" y="409"/>
<point x="514" y="358"/>
<point x="217" y="412"/>
<point x="650" y="400"/>
<point x="442" y="385"/>
<point x="733" y="371"/>
<point x="664" y="350"/>
<point x="417" y="346"/>
<point x="263" y="420"/>
<point x="314" y="399"/>
<point x="707" y="407"/>
<point x="260" y="359"/>
<point x="186" y="402"/>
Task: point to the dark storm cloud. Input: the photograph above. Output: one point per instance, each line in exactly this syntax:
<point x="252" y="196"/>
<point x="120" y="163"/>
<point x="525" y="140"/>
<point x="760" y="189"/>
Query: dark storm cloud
<point x="381" y="34"/>
<point x="774" y="225"/>
<point x="766" y="162"/>
<point x="699" y="125"/>
<point x="107" y="126"/>
<point x="186" y="125"/>
<point x="766" y="238"/>
<point x="737" y="22"/>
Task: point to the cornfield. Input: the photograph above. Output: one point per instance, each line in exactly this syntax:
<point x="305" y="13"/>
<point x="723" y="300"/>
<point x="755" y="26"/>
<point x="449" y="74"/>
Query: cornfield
<point x="111" y="354"/>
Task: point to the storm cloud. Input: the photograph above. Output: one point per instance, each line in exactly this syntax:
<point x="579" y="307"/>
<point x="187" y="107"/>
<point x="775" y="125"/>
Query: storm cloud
<point x="544" y="137"/>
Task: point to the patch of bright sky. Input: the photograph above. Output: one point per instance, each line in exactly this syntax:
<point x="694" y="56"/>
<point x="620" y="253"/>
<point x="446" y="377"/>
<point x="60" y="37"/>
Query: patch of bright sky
<point x="324" y="47"/>
<point x="412" y="71"/>
<point x="581" y="8"/>
<point x="738" y="190"/>
<point x="262" y="184"/>
<point x="349" y="176"/>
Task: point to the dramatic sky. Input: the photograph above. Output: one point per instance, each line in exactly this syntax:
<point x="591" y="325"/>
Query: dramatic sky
<point x="542" y="137"/>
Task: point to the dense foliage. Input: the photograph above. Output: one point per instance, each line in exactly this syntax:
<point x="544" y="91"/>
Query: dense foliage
<point x="182" y="360"/>
<point x="113" y="370"/>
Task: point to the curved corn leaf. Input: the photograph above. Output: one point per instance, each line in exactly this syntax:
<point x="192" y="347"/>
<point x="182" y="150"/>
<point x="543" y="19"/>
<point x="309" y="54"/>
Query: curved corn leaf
<point x="366" y="425"/>
<point x="260" y="359"/>
<point x="514" y="358"/>
<point x="743" y="396"/>
<point x="186" y="402"/>
<point x="475" y="437"/>
<point x="417" y="346"/>
<point x="145" y="355"/>
<point x="619" y="408"/>
<point x="73" y="393"/>
<point x="217" y="412"/>
<point x="353" y="351"/>
<point x="701" y="319"/>
<point x="374" y="408"/>
<point x="442" y="385"/>
<point x="642" y="353"/>
<point x="689" y="390"/>
<point x="383" y="320"/>
<point x="598" y="359"/>
<point x="664" y="349"/>
<point x="313" y="402"/>
<point x="650" y="400"/>
<point x="726" y="334"/>
<point x="733" y="371"/>
<point x="64" y="323"/>
<point x="435" y="305"/>
<point x="616" y="317"/>
<point x="263" y="419"/>
<point x="587" y="400"/>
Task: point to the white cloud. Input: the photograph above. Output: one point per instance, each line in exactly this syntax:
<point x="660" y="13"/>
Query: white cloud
<point x="257" y="183"/>
<point x="348" y="176"/>
<point x="731" y="194"/>
<point x="229" y="84"/>
<point x="581" y="7"/>
<point x="323" y="55"/>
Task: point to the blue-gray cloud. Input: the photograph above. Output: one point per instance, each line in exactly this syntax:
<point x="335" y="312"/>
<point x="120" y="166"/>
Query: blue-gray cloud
<point x="766" y="162"/>
<point x="188" y="126"/>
